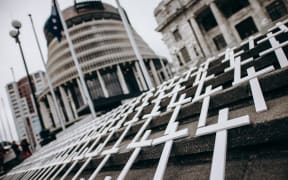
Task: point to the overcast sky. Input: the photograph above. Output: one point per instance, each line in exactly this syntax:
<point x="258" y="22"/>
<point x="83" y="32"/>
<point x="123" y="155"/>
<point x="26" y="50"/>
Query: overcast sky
<point x="140" y="13"/>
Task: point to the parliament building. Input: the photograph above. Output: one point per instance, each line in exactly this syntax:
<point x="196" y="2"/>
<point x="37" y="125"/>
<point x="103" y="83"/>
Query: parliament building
<point x="194" y="30"/>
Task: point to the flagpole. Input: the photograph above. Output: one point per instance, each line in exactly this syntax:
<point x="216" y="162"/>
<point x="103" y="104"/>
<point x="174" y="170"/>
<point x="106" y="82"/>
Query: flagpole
<point x="7" y="120"/>
<point x="134" y="46"/>
<point x="75" y="59"/>
<point x="18" y="103"/>
<point x="5" y="134"/>
<point x="47" y="76"/>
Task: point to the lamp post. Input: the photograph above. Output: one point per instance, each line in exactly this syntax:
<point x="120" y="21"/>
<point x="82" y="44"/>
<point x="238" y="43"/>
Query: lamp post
<point x="15" y="34"/>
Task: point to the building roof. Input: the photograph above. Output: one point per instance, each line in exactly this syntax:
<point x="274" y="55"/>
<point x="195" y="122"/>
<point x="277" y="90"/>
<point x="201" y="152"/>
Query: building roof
<point x="76" y="15"/>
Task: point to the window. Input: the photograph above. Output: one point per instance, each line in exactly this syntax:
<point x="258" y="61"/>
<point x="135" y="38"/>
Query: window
<point x="177" y="35"/>
<point x="228" y="7"/>
<point x="94" y="87"/>
<point x="196" y="51"/>
<point x="112" y="83"/>
<point x="185" y="54"/>
<point x="246" y="28"/>
<point x="276" y="10"/>
<point x="219" y="42"/>
<point x="130" y="79"/>
<point x="37" y="75"/>
<point x="10" y="86"/>
<point x="206" y="19"/>
<point x="179" y="60"/>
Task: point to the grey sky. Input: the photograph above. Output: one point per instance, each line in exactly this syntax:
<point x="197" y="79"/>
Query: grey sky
<point x="139" y="12"/>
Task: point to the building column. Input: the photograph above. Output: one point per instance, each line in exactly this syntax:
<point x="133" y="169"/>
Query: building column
<point x="45" y="114"/>
<point x="169" y="71"/>
<point x="61" y="110"/>
<point x="73" y="106"/>
<point x="66" y="103"/>
<point x="103" y="86"/>
<point x="154" y="73"/>
<point x="140" y="75"/>
<point x="53" y="110"/>
<point x="181" y="58"/>
<point x="164" y="69"/>
<point x="202" y="41"/>
<point x="223" y="25"/>
<point x="122" y="80"/>
<point x="81" y="91"/>
<point x="137" y="80"/>
<point x="261" y="19"/>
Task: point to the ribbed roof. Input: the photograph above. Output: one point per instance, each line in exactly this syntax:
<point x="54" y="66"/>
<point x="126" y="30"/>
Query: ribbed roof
<point x="72" y="12"/>
<point x="72" y="15"/>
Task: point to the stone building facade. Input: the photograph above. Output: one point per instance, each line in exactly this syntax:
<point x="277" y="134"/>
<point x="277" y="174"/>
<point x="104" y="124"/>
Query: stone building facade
<point x="110" y="67"/>
<point x="194" y="30"/>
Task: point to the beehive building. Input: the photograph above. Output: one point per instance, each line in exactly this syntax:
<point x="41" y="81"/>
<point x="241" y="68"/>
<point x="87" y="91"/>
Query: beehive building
<point x="110" y="67"/>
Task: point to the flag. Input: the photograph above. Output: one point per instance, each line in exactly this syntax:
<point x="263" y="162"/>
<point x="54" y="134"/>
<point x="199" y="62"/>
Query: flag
<point x="53" y="24"/>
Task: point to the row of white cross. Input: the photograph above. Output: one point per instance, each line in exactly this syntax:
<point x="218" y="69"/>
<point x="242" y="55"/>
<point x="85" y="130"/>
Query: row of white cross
<point x="91" y="139"/>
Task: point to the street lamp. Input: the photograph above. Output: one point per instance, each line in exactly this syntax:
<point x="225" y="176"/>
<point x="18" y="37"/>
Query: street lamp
<point x="15" y="34"/>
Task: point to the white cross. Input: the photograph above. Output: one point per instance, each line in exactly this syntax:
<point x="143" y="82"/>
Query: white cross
<point x="48" y="169"/>
<point x="148" y="118"/>
<point x="206" y="64"/>
<point x="170" y="135"/>
<point x="198" y="96"/>
<point x="69" y="170"/>
<point x="227" y="55"/>
<point x="108" y="178"/>
<point x="51" y="172"/>
<point x="257" y="94"/>
<point x="139" y="109"/>
<point x="108" y="153"/>
<point x="230" y="55"/>
<point x="281" y="26"/>
<point x="39" y="173"/>
<point x="168" y="139"/>
<point x="251" y="41"/>
<point x="177" y="105"/>
<point x="95" y="153"/>
<point x="185" y="76"/>
<point x="277" y="48"/>
<point x="173" y="94"/>
<point x="133" y="157"/>
<point x="58" y="171"/>
<point x="199" y="76"/>
<point x="173" y="81"/>
<point x="162" y="87"/>
<point x="88" y="154"/>
<point x="220" y="147"/>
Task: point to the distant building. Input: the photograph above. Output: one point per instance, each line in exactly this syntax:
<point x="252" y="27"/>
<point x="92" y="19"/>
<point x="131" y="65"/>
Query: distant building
<point x="23" y="108"/>
<point x="110" y="67"/>
<point x="194" y="30"/>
